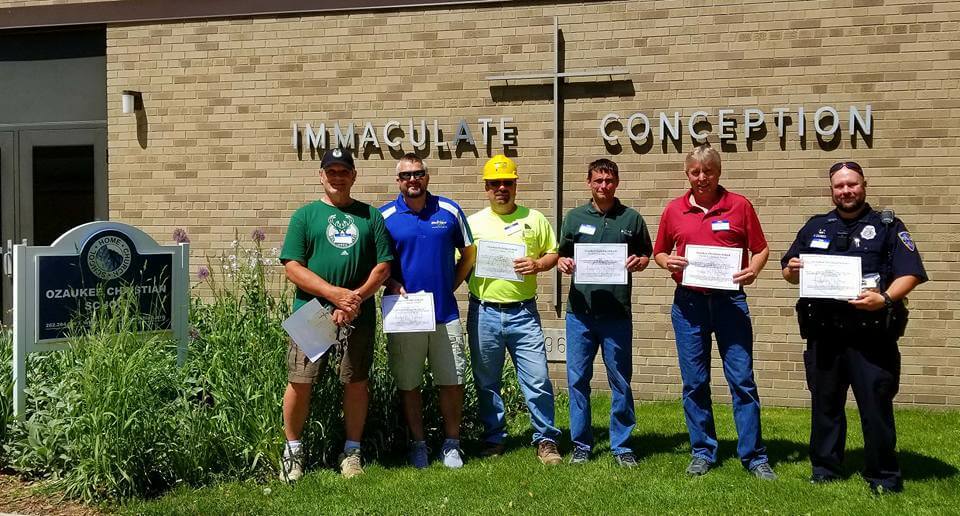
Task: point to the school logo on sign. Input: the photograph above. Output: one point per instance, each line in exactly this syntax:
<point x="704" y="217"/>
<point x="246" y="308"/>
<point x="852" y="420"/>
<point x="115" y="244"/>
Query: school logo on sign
<point x="109" y="257"/>
<point x="342" y="232"/>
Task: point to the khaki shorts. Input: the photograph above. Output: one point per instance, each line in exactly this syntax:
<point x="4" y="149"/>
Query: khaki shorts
<point x="443" y="346"/>
<point x="354" y="364"/>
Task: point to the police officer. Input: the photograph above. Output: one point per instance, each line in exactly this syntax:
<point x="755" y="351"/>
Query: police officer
<point x="854" y="343"/>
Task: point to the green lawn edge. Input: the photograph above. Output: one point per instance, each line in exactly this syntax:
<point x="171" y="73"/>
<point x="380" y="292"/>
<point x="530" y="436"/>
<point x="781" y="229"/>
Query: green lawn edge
<point x="518" y="484"/>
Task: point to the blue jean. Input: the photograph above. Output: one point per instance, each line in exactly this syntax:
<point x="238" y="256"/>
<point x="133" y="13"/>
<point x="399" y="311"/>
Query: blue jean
<point x="697" y="315"/>
<point x="493" y="332"/>
<point x="613" y="337"/>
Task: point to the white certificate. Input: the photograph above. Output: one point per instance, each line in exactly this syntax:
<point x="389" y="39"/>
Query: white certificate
<point x="712" y="267"/>
<point x="600" y="264"/>
<point x="830" y="277"/>
<point x="495" y="260"/>
<point x="312" y="329"/>
<point x="408" y="314"/>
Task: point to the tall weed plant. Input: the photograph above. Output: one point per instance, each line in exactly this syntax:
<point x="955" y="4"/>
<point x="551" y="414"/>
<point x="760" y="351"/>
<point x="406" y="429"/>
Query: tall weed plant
<point x="114" y="417"/>
<point x="6" y="384"/>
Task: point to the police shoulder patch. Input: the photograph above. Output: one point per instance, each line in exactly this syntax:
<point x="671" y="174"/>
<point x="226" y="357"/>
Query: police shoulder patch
<point x="907" y="241"/>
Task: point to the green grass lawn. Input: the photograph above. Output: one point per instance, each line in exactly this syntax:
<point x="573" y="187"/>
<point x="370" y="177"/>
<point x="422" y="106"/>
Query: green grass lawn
<point x="929" y="445"/>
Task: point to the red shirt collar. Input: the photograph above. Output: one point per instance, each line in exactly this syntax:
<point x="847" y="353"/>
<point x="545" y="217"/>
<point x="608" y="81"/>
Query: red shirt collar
<point x="721" y="204"/>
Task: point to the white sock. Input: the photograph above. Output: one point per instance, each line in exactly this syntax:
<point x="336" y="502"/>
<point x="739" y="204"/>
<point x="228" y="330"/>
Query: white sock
<point x="292" y="448"/>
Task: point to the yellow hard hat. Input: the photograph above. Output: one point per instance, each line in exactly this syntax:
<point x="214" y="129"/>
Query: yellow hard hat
<point x="500" y="167"/>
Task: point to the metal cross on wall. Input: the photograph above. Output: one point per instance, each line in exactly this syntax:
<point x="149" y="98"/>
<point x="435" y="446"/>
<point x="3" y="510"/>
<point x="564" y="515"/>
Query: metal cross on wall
<point x="558" y="76"/>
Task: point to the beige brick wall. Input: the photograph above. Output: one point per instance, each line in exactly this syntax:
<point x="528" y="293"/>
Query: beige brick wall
<point x="213" y="152"/>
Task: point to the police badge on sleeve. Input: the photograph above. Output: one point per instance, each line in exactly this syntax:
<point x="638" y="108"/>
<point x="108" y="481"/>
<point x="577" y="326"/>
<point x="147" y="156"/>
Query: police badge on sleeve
<point x="907" y="241"/>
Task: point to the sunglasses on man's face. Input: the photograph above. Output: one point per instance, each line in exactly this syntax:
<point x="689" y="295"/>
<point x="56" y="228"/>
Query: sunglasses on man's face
<point x="497" y="183"/>
<point x="413" y="174"/>
<point x="852" y="165"/>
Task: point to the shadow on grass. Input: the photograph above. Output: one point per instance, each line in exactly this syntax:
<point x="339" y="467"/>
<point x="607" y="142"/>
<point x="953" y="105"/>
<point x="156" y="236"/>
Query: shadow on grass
<point x="915" y="466"/>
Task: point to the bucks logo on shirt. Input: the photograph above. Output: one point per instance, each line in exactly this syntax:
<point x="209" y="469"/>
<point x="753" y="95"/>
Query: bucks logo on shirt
<point x="342" y="232"/>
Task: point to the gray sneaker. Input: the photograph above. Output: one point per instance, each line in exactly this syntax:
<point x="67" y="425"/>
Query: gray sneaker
<point x="698" y="466"/>
<point x="291" y="467"/>
<point x="580" y="456"/>
<point x="764" y="472"/>
<point x="626" y="460"/>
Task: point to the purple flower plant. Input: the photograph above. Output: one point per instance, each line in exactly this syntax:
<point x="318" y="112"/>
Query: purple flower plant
<point x="258" y="235"/>
<point x="203" y="273"/>
<point x="180" y="236"/>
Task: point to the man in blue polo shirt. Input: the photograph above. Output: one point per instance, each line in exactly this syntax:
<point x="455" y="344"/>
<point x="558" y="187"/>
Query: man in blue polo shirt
<point x="427" y="232"/>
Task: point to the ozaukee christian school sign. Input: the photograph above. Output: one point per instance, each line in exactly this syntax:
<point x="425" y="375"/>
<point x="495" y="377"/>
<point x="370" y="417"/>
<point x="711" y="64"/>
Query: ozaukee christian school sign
<point x="94" y="264"/>
<point x="72" y="287"/>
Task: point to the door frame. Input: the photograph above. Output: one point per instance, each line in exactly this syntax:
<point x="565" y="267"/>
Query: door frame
<point x="29" y="138"/>
<point x="8" y="210"/>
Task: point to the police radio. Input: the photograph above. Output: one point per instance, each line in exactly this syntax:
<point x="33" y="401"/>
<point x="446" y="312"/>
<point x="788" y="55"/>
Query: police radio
<point x="898" y="314"/>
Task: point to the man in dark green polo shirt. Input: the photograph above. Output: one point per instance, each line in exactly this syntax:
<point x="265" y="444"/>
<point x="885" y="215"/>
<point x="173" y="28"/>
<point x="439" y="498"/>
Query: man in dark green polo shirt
<point x="337" y="250"/>
<point x="598" y="307"/>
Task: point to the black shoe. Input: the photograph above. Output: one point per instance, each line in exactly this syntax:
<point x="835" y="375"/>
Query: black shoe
<point x="880" y="489"/>
<point x="492" y="450"/>
<point x="818" y="478"/>
<point x="698" y="466"/>
<point x="580" y="456"/>
<point x="626" y="460"/>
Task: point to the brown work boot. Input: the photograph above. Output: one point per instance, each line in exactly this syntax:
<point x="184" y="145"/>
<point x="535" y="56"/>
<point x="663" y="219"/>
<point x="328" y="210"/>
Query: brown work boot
<point x="547" y="453"/>
<point x="492" y="449"/>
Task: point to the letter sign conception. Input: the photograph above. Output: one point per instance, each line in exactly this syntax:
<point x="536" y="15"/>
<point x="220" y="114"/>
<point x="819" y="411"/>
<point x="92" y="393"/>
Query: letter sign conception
<point x="91" y="265"/>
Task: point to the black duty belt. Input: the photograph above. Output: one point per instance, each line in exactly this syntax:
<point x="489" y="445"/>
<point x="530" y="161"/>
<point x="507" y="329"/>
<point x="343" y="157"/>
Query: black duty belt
<point x="499" y="306"/>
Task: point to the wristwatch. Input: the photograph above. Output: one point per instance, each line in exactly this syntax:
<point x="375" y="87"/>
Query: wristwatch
<point x="887" y="302"/>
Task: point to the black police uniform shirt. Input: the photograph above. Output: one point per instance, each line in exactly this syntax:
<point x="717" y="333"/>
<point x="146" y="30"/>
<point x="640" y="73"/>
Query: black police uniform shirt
<point x="865" y="236"/>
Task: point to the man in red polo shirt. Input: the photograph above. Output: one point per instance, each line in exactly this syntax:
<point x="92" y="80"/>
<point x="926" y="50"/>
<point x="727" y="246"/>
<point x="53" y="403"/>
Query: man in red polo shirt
<point x="709" y="215"/>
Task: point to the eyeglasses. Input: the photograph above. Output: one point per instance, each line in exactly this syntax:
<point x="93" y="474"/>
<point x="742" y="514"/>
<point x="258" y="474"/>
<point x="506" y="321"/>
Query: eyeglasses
<point x="852" y="165"/>
<point x="413" y="174"/>
<point x="497" y="183"/>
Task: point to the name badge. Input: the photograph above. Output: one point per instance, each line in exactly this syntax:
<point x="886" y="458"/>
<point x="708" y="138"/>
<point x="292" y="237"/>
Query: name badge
<point x="587" y="229"/>
<point x="721" y="225"/>
<point x="511" y="229"/>
<point x="820" y="242"/>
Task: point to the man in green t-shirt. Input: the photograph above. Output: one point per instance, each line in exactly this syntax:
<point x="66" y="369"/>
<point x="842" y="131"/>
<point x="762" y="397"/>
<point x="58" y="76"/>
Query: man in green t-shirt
<point x="503" y="315"/>
<point x="612" y="242"/>
<point x="336" y="250"/>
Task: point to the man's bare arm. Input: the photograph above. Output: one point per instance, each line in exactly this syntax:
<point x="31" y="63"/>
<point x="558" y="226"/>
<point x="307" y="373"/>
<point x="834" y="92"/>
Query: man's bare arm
<point x="377" y="276"/>
<point x="309" y="282"/>
<point x="468" y="256"/>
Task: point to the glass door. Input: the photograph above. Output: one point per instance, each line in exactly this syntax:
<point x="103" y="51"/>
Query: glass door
<point x="62" y="181"/>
